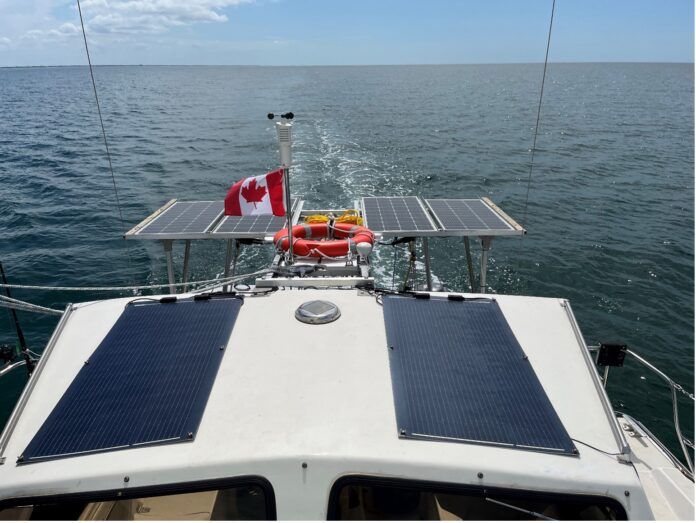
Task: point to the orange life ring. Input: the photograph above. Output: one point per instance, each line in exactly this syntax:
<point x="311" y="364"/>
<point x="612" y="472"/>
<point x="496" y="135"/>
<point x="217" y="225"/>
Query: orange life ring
<point x="316" y="239"/>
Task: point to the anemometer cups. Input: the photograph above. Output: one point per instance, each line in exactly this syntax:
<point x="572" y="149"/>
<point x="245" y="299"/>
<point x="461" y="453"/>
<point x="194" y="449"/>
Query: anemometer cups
<point x="286" y="116"/>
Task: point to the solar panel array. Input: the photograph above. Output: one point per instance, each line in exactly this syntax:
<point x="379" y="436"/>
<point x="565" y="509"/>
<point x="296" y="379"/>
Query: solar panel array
<point x="396" y="214"/>
<point x="389" y="216"/>
<point x="184" y="219"/>
<point x="250" y="226"/>
<point x="147" y="382"/>
<point x="461" y="215"/>
<point x="459" y="374"/>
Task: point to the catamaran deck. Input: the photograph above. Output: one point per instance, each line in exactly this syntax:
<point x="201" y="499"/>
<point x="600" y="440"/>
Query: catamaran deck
<point x="303" y="405"/>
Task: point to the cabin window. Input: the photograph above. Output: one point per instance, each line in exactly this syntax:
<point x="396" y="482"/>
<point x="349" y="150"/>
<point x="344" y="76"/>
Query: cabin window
<point x="372" y="499"/>
<point x="251" y="501"/>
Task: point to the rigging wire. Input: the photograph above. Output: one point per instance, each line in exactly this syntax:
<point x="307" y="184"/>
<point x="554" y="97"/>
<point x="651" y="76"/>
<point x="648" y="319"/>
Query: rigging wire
<point x="106" y="143"/>
<point x="538" y="117"/>
<point x="101" y="121"/>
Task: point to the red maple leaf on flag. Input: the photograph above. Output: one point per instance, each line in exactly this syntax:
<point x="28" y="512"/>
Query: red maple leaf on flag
<point x="253" y="193"/>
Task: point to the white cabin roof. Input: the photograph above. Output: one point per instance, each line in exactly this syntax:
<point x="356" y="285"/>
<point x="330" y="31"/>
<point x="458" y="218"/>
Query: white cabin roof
<point x="288" y="392"/>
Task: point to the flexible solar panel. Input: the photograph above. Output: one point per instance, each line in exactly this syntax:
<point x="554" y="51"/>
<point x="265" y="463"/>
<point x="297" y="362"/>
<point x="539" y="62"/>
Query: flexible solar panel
<point x="250" y="226"/>
<point x="398" y="215"/>
<point x="468" y="215"/>
<point x="183" y="220"/>
<point x="146" y="383"/>
<point x="459" y="374"/>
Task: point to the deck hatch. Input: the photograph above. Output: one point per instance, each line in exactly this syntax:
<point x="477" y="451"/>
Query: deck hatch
<point x="146" y="383"/>
<point x="459" y="374"/>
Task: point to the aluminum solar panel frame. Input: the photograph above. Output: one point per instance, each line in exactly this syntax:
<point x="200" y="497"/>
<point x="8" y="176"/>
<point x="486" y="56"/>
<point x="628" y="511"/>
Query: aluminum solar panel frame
<point x="460" y="375"/>
<point x="397" y="216"/>
<point x="146" y="383"/>
<point x="260" y="226"/>
<point x="179" y="221"/>
<point x="472" y="217"/>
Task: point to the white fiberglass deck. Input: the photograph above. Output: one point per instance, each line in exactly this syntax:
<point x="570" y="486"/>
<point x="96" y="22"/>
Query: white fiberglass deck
<point x="288" y="393"/>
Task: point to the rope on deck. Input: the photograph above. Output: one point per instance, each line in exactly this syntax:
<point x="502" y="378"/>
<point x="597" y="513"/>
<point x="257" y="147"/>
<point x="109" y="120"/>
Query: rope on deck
<point x="221" y="281"/>
<point x="11" y="303"/>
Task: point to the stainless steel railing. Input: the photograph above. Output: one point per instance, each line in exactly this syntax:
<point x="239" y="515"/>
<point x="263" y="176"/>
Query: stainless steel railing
<point x="5" y="369"/>
<point x="674" y="388"/>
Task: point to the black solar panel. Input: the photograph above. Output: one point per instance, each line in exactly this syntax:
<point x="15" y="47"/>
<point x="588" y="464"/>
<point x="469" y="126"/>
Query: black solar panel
<point x="250" y="226"/>
<point x="459" y="374"/>
<point x="459" y="214"/>
<point x="185" y="218"/>
<point x="396" y="214"/>
<point x="147" y="382"/>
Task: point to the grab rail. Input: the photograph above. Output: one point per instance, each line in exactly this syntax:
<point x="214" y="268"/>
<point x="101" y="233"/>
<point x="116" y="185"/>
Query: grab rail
<point x="29" y="387"/>
<point x="674" y="387"/>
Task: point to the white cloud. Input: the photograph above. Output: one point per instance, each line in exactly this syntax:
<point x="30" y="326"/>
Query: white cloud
<point x="106" y="17"/>
<point x="48" y="31"/>
<point x="151" y="16"/>
<point x="64" y="31"/>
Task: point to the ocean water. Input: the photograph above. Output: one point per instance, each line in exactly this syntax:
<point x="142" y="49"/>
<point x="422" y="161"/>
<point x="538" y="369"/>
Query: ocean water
<point x="611" y="202"/>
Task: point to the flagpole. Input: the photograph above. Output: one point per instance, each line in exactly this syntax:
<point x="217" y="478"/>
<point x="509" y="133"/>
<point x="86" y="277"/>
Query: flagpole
<point x="288" y="211"/>
<point x="284" y="130"/>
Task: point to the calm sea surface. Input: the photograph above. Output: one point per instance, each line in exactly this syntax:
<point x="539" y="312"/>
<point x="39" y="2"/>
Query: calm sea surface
<point x="610" y="214"/>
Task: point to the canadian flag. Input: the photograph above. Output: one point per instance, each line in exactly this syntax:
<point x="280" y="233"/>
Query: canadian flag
<point x="263" y="194"/>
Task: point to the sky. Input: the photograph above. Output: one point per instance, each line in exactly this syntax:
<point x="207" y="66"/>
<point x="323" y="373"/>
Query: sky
<point x="344" y="32"/>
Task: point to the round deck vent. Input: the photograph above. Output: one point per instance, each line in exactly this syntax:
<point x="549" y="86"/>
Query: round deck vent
<point x="317" y="312"/>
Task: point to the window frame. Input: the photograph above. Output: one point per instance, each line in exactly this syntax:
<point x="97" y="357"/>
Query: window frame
<point x="464" y="489"/>
<point x="164" y="489"/>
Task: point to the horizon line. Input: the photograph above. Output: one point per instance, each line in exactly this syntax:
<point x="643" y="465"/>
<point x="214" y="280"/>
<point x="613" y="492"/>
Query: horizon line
<point x="355" y="65"/>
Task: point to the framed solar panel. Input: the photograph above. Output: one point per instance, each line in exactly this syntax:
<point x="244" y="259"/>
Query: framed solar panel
<point x="147" y="383"/>
<point x="179" y="221"/>
<point x="472" y="217"/>
<point x="259" y="226"/>
<point x="397" y="216"/>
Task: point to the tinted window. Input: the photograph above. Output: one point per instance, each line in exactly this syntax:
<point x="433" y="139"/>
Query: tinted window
<point x="245" y="502"/>
<point x="366" y="499"/>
